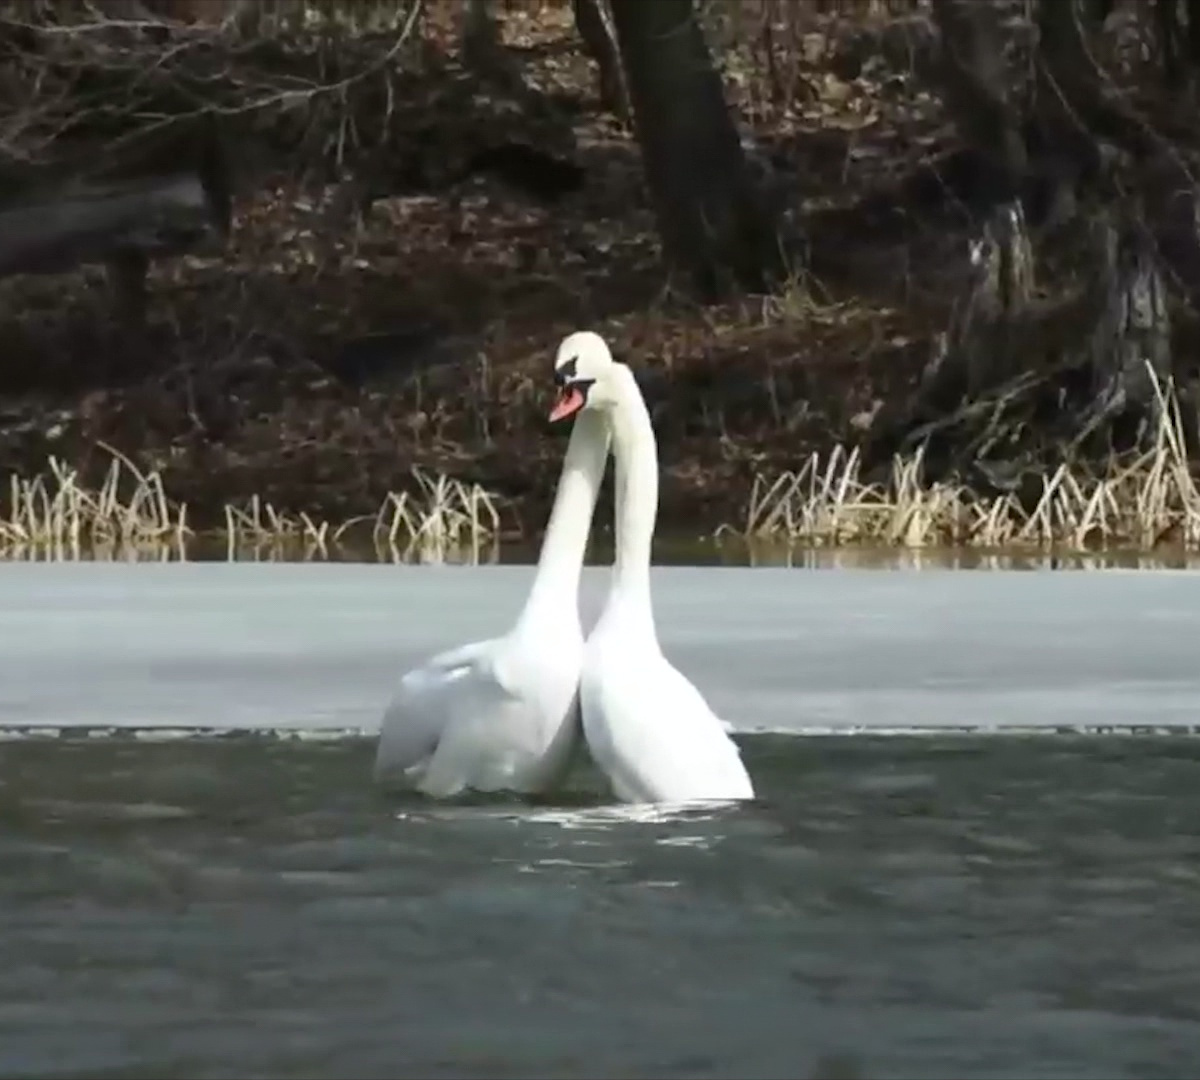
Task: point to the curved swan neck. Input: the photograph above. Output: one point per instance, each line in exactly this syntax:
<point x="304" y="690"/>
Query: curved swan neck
<point x="556" y="580"/>
<point x="636" y="453"/>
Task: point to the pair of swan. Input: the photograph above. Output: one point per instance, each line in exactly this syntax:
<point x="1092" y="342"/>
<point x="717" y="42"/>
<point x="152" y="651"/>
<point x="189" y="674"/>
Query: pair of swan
<point x="506" y="714"/>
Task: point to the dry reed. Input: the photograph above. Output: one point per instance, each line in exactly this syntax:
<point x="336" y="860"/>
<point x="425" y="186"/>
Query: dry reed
<point x="130" y="515"/>
<point x="1136" y="503"/>
<point x="62" y="516"/>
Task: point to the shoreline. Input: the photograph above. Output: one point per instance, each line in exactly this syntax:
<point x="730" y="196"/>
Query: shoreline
<point x="1146" y="503"/>
<point x="314" y="372"/>
<point x="670" y="550"/>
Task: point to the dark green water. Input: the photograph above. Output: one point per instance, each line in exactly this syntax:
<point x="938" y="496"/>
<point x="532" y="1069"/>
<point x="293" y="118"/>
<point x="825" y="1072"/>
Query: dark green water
<point x="905" y="907"/>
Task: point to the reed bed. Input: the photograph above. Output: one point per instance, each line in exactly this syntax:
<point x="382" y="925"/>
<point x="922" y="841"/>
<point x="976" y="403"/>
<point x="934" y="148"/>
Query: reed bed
<point x="58" y="516"/>
<point x="1136" y="503"/>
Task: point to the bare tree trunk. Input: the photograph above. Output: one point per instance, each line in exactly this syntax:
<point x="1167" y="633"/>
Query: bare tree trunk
<point x="1193" y="21"/>
<point x="1169" y="32"/>
<point x="480" y="36"/>
<point x="1018" y="381"/>
<point x="600" y="40"/>
<point x="1068" y="90"/>
<point x="1075" y="106"/>
<point x="1048" y="156"/>
<point x="157" y="217"/>
<point x="1025" y="377"/>
<point x="711" y="226"/>
<point x="973" y="79"/>
<point x="137" y="203"/>
<point x="481" y="47"/>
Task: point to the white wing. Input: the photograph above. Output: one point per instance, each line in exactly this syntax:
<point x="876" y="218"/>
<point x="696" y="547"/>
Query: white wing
<point x="498" y="715"/>
<point x="425" y="702"/>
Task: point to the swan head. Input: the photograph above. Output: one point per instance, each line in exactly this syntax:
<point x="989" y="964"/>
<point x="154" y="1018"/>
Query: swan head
<point x="583" y="370"/>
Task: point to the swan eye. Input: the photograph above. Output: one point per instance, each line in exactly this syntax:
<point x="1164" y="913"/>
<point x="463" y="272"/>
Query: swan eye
<point x="564" y="373"/>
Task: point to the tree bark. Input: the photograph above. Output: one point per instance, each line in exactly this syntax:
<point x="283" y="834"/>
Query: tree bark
<point x="973" y="82"/>
<point x="1075" y="106"/>
<point x="1019" y="381"/>
<point x="481" y="48"/>
<point x="1068" y="88"/>
<point x="156" y="217"/>
<point x="599" y="38"/>
<point x="480" y="36"/>
<point x="711" y="226"/>
<point x="1169" y="32"/>
<point x="1193" y="21"/>
<point x="1064" y="145"/>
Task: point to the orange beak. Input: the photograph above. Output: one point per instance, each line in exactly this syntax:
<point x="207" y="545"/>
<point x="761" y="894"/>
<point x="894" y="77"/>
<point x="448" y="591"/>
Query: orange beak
<point x="569" y="402"/>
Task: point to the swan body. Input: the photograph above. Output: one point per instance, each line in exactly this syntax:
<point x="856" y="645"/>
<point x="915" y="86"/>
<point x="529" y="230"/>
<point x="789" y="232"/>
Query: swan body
<point x="502" y="714"/>
<point x="647" y="726"/>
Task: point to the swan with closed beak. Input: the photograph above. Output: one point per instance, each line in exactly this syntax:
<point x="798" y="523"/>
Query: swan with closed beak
<point x="647" y="727"/>
<point x="502" y="714"/>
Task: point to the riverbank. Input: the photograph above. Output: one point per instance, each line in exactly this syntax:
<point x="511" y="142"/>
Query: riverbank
<point x="319" y="387"/>
<point x="668" y="551"/>
<point x="311" y="375"/>
<point x="314" y="366"/>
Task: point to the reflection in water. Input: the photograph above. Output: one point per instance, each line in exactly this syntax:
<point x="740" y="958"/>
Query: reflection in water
<point x="852" y="558"/>
<point x="950" y="907"/>
<point x="668" y="551"/>
<point x="287" y="550"/>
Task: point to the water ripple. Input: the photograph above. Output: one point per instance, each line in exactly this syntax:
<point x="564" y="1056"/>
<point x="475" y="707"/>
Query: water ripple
<point x="889" y="907"/>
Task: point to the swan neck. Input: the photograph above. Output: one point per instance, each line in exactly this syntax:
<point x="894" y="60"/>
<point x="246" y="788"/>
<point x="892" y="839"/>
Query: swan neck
<point x="636" y="452"/>
<point x="560" y="563"/>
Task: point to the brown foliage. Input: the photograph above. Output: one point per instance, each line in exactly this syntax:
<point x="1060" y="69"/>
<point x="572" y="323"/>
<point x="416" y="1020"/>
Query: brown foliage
<point x="318" y="357"/>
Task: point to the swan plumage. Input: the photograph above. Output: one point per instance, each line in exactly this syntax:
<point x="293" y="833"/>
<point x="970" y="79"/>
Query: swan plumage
<point x="502" y="714"/>
<point x="647" y="727"/>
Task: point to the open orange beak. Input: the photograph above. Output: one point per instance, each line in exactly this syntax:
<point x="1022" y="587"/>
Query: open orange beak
<point x="570" y="401"/>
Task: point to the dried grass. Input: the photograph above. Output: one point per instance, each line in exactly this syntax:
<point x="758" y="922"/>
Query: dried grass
<point x="58" y="516"/>
<point x="1136" y="503"/>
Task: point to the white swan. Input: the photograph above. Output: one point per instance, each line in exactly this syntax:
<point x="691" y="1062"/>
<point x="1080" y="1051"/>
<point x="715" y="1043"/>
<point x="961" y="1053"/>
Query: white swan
<point x="647" y="727"/>
<point x="502" y="714"/>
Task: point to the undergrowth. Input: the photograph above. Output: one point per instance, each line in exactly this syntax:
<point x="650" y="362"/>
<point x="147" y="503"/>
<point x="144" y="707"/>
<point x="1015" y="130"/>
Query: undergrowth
<point x="383" y="316"/>
<point x="1138" y="501"/>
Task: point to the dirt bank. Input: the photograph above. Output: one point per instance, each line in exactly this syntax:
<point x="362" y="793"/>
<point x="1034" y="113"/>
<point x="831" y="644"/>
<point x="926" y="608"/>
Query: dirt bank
<point x="315" y="366"/>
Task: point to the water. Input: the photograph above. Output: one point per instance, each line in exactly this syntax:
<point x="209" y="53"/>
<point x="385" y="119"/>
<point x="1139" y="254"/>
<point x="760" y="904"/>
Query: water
<point x="319" y="647"/>
<point x="669" y="550"/>
<point x="946" y="906"/>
